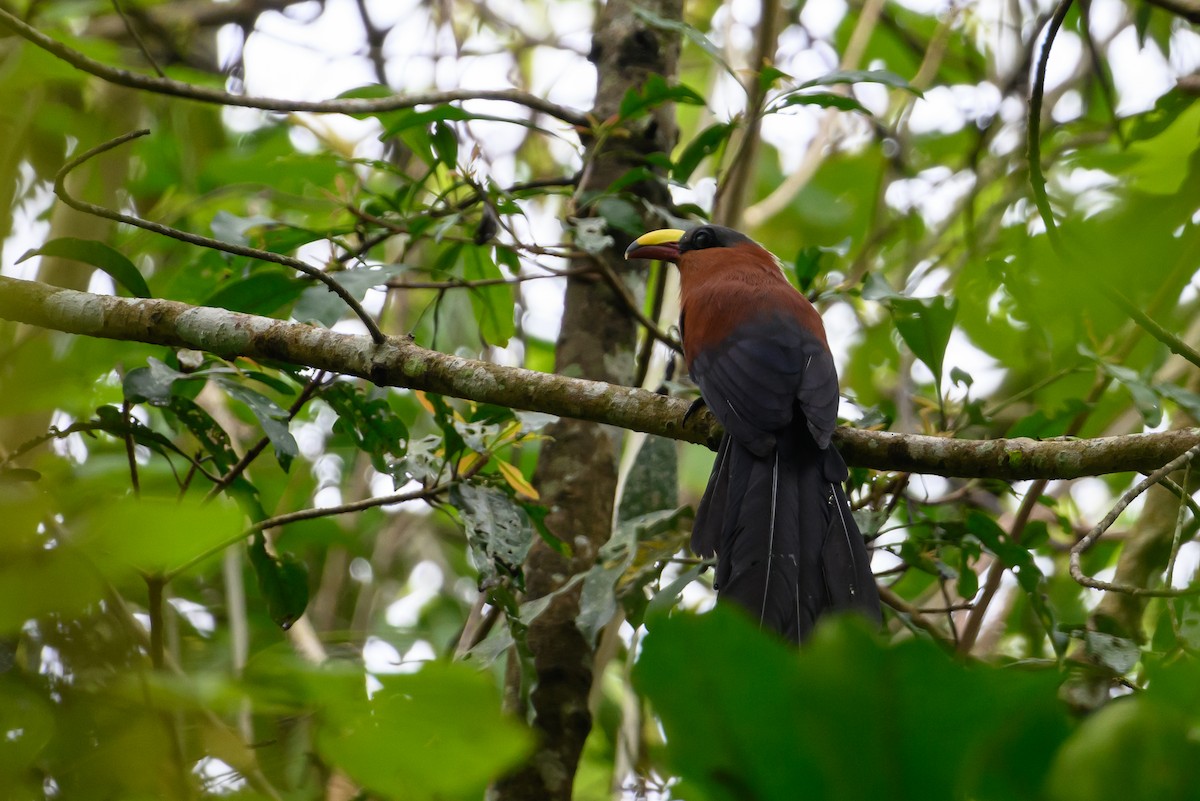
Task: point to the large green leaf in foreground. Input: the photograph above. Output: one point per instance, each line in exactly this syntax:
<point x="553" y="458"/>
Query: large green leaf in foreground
<point x="847" y="718"/>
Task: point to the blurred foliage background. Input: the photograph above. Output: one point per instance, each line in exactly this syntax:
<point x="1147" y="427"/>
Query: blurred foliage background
<point x="165" y="633"/>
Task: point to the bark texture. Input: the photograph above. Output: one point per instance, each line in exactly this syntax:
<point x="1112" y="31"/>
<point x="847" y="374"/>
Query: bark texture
<point x="577" y="470"/>
<point x="400" y="362"/>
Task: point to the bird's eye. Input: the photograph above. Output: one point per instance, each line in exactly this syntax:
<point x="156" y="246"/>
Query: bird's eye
<point x="703" y="239"/>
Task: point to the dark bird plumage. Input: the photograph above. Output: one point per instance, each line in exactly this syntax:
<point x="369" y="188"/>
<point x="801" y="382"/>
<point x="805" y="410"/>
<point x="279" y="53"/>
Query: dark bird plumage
<point x="774" y="513"/>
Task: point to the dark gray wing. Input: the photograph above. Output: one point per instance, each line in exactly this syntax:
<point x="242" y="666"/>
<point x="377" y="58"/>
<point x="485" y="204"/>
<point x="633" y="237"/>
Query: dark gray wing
<point x="753" y="379"/>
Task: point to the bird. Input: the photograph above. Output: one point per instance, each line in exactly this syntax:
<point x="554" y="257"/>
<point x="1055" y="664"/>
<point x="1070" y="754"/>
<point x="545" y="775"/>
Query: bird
<point x="775" y="512"/>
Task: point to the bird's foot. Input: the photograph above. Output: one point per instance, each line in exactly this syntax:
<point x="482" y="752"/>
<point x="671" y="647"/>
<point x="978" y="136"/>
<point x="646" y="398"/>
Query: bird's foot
<point x="696" y="406"/>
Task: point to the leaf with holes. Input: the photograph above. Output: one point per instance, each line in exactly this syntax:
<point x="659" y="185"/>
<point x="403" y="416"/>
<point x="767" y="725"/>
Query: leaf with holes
<point x="498" y="530"/>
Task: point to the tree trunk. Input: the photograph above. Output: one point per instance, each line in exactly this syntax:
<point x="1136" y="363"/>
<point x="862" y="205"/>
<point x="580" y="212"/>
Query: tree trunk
<point x="577" y="471"/>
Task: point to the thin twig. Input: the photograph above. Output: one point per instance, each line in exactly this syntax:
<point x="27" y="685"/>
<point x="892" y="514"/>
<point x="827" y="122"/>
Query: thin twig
<point x="60" y="189"/>
<point x="464" y="283"/>
<point x="1177" y="538"/>
<point x="1124" y="501"/>
<point x="1037" y="178"/>
<point x="137" y="38"/>
<point x="914" y="615"/>
<point x="257" y="448"/>
<point x="975" y="620"/>
<point x="1176" y="345"/>
<point x="1106" y="88"/>
<point x="203" y="94"/>
<point x="356" y="506"/>
<point x="130" y="452"/>
<point x="1179" y="492"/>
<point x="730" y="199"/>
<point x="634" y="308"/>
<point x="154" y="605"/>
<point x="309" y="514"/>
<point x="89" y="427"/>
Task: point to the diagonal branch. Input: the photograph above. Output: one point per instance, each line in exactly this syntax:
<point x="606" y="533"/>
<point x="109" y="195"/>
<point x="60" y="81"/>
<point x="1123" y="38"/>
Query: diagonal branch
<point x="204" y="94"/>
<point x="1089" y="540"/>
<point x="400" y="362"/>
<point x="325" y="278"/>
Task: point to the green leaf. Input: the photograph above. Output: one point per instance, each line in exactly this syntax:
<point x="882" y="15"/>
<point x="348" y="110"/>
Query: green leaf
<point x="27" y="719"/>
<point x="1131" y="748"/>
<point x="771" y="720"/>
<point x="98" y="255"/>
<point x="884" y="77"/>
<point x="35" y="579"/>
<point x="997" y="540"/>
<point x="156" y="535"/>
<point x="688" y="32"/>
<point x="27" y="575"/>
<point x="434" y="735"/>
<point x="206" y="430"/>
<point x="318" y="303"/>
<point x="235" y="230"/>
<point x="1158" y="162"/>
<point x="282" y="580"/>
<point x="18" y="475"/>
<point x="597" y="601"/>
<point x="445" y="144"/>
<point x="707" y="142"/>
<point x="493" y="304"/>
<point x="1144" y="395"/>
<point x="1041" y="425"/>
<point x="110" y="420"/>
<point x="653" y="480"/>
<point x="808" y="266"/>
<point x="924" y="324"/>
<point x="620" y="214"/>
<point x="1187" y="400"/>
<point x="274" y="420"/>
<point x="819" y="99"/>
<point x="498" y="530"/>
<point x="404" y="122"/>
<point x="968" y="579"/>
<point x="654" y="92"/>
<point x="365" y="417"/>
<point x="768" y="75"/>
<point x="263" y="292"/>
<point x="152" y="383"/>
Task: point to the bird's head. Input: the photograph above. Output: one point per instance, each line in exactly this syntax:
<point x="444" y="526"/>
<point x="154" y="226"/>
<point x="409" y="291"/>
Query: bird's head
<point x="673" y="244"/>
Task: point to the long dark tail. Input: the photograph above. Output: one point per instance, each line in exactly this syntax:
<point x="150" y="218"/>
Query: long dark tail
<point x="787" y="546"/>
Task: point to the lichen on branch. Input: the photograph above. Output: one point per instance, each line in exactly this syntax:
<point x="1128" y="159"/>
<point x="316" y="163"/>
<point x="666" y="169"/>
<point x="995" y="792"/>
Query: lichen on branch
<point x="400" y="362"/>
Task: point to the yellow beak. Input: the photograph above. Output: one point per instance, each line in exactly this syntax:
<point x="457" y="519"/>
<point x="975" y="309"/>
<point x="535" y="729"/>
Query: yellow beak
<point x="662" y="244"/>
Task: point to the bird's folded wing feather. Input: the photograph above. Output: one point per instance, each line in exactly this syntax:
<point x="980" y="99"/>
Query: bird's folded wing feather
<point x="753" y="378"/>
